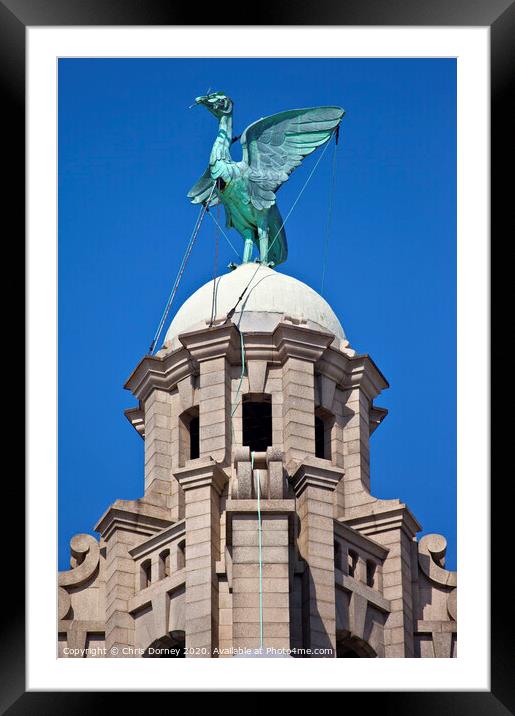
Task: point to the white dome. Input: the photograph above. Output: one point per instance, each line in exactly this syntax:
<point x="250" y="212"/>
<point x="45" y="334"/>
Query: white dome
<point x="269" y="297"/>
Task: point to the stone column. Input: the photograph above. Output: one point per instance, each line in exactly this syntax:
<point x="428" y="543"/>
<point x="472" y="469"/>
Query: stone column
<point x="394" y="527"/>
<point x="356" y="444"/>
<point x="120" y="587"/>
<point x="202" y="485"/>
<point x="215" y="409"/>
<point x="158" y="443"/>
<point x="275" y="574"/>
<point x="124" y="525"/>
<point x="214" y="350"/>
<point x="298" y="349"/>
<point x="363" y="383"/>
<point x="314" y="486"/>
<point x="298" y="409"/>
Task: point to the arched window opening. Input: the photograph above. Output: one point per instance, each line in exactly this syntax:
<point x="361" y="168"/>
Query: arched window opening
<point x="189" y="436"/>
<point x="168" y="647"/>
<point x="343" y="652"/>
<point x="257" y="423"/>
<point x="371" y="573"/>
<point x="354" y="648"/>
<point x="352" y="563"/>
<point x="323" y="427"/>
<point x="181" y="554"/>
<point x="145" y="574"/>
<point x="194" y="438"/>
<point x="164" y="564"/>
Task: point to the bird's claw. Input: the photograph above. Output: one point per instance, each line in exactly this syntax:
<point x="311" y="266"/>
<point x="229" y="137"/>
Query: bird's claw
<point x="269" y="264"/>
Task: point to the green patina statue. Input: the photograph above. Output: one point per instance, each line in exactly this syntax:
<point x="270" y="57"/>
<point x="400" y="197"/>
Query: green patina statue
<point x="272" y="148"/>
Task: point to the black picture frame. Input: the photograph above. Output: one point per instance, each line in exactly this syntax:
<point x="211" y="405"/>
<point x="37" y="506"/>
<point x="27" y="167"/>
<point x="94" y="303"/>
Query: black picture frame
<point x="499" y="15"/>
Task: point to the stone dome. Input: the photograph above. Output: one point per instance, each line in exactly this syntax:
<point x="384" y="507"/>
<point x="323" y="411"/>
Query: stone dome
<point x="269" y="297"/>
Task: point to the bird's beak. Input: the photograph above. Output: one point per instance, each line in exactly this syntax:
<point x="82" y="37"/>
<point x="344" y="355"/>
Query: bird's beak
<point x="198" y="100"/>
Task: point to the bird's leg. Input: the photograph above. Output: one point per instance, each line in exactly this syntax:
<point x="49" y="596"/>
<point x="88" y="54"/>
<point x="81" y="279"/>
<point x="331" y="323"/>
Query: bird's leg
<point x="247" y="250"/>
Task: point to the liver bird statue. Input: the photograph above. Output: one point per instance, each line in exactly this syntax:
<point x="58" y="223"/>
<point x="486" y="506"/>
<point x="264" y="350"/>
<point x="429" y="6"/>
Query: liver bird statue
<point x="272" y="148"/>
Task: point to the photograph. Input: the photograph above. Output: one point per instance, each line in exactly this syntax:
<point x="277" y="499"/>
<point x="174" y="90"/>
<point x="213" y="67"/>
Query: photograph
<point x="258" y="353"/>
<point x="257" y="326"/>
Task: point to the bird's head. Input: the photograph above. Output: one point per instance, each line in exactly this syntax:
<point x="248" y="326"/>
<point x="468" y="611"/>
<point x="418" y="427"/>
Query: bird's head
<point x="217" y="103"/>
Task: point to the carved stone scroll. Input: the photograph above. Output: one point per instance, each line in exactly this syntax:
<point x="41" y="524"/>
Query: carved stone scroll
<point x="85" y="557"/>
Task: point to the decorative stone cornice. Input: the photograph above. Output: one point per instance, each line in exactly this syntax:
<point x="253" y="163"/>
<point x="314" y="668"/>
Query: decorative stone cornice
<point x="383" y="516"/>
<point x="375" y="417"/>
<point x="364" y="374"/>
<point x="205" y="472"/>
<point x="216" y="342"/>
<point x="356" y="371"/>
<point x="136" y="417"/>
<point x="160" y="539"/>
<point x="359" y="540"/>
<point x="134" y="516"/>
<point x="334" y="365"/>
<point x="300" y="342"/>
<point x="163" y="373"/>
<point x="314" y="472"/>
<point x="260" y="347"/>
<point x="287" y="340"/>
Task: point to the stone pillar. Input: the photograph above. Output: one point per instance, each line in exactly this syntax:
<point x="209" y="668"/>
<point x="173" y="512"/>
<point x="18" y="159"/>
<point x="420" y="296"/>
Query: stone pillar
<point x="356" y="444"/>
<point x="298" y="409"/>
<point x="314" y="486"/>
<point x="394" y="527"/>
<point x="158" y="443"/>
<point x="215" y="409"/>
<point x="214" y="350"/>
<point x="363" y="383"/>
<point x="275" y="582"/>
<point x="120" y="587"/>
<point x="275" y="575"/>
<point x="123" y="526"/>
<point x="202" y="485"/>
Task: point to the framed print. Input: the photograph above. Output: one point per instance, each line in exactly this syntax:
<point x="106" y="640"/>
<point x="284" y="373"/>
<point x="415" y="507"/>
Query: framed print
<point x="275" y="237"/>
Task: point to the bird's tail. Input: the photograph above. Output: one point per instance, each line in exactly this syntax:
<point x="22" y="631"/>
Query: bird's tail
<point x="278" y="246"/>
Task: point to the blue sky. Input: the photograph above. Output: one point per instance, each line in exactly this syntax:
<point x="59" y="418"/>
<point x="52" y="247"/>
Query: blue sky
<point x="130" y="149"/>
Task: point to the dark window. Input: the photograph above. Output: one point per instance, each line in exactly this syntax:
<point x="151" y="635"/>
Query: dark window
<point x="319" y="437"/>
<point x="166" y="648"/>
<point x="257" y="425"/>
<point x="371" y="573"/>
<point x="194" y="438"/>
<point x="354" y="648"/>
<point x="145" y="574"/>
<point x="189" y="437"/>
<point x="353" y="563"/>
<point x="323" y="425"/>
<point x="344" y="653"/>
<point x="164" y="564"/>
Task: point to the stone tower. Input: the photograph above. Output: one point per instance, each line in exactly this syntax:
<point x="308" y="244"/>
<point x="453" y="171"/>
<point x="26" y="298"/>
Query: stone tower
<point x="257" y="529"/>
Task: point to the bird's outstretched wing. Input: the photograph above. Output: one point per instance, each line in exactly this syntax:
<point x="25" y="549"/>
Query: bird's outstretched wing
<point x="201" y="191"/>
<point x="274" y="146"/>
